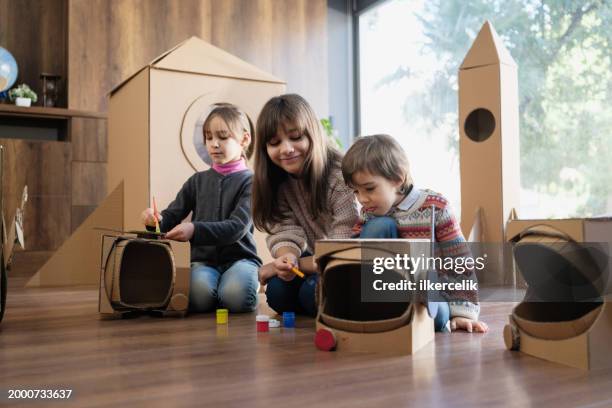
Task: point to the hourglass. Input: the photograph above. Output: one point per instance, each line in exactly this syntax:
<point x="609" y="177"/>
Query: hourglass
<point x="50" y="88"/>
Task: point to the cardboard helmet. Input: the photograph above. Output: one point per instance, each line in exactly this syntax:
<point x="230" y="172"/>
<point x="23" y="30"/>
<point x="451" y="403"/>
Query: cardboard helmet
<point x="567" y="281"/>
<point x="557" y="268"/>
<point x="139" y="274"/>
<point x="340" y="304"/>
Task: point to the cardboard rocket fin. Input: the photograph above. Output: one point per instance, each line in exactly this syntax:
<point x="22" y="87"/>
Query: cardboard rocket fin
<point x="77" y="261"/>
<point x="477" y="231"/>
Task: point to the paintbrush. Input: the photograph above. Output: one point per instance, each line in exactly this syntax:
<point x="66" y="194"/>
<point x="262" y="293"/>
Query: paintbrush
<point x="155" y="216"/>
<point x="295" y="270"/>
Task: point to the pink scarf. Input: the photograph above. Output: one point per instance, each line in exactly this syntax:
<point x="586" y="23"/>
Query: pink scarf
<point x="229" y="168"/>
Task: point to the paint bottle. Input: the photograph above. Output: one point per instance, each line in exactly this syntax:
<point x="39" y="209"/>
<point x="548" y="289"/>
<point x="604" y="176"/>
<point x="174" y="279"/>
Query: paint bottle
<point x="289" y="319"/>
<point x="263" y="323"/>
<point x="222" y="316"/>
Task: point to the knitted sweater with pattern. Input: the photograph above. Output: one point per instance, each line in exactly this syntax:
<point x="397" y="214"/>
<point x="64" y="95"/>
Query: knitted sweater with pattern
<point x="413" y="217"/>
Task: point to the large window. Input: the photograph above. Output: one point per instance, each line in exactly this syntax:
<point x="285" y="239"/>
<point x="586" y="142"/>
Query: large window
<point x="409" y="55"/>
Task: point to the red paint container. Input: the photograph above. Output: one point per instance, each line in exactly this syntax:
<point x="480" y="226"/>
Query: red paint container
<point x="263" y="323"/>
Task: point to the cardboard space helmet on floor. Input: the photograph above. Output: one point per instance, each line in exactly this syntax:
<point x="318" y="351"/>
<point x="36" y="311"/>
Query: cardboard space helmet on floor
<point x="392" y="327"/>
<point x="138" y="274"/>
<point x="565" y="316"/>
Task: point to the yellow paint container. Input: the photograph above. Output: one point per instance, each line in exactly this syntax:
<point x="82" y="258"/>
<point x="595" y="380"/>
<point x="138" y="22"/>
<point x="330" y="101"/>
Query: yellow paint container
<point x="222" y="316"/>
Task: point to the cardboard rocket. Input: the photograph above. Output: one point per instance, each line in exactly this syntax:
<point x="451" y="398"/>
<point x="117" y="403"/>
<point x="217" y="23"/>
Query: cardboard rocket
<point x="489" y="138"/>
<point x="489" y="134"/>
<point x="155" y="141"/>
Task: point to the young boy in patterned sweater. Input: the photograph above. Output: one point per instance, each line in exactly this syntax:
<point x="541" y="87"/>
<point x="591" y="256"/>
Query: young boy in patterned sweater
<point x="376" y="167"/>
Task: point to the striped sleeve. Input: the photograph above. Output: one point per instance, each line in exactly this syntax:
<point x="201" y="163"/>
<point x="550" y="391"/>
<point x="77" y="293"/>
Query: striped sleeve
<point x="452" y="244"/>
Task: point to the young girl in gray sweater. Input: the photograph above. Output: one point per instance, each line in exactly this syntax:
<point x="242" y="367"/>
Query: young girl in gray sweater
<point x="224" y="259"/>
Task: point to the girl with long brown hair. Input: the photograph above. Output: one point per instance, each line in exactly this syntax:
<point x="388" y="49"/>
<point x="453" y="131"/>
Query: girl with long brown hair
<point x="299" y="196"/>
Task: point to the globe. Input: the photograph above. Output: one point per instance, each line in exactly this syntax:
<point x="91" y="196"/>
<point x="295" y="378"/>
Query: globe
<point x="8" y="70"/>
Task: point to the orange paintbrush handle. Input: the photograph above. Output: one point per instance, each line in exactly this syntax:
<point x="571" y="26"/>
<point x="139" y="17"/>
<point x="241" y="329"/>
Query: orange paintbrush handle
<point x="154" y="208"/>
<point x="297" y="272"/>
<point x="155" y="215"/>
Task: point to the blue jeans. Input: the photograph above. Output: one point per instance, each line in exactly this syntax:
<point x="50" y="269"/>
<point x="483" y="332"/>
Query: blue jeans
<point x="232" y="286"/>
<point x="296" y="295"/>
<point x="442" y="317"/>
<point x="379" y="227"/>
<point x="386" y="227"/>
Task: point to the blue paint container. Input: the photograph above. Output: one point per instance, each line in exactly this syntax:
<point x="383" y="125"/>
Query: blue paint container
<point x="288" y="319"/>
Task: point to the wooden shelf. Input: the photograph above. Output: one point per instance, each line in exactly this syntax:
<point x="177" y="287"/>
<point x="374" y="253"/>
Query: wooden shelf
<point x="44" y="112"/>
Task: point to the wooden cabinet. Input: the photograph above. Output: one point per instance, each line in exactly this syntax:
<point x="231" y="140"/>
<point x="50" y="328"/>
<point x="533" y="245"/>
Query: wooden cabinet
<point x="66" y="175"/>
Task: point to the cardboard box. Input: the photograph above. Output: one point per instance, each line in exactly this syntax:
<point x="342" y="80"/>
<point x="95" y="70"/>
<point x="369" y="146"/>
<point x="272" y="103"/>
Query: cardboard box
<point x="383" y="327"/>
<point x="489" y="138"/>
<point x="154" y="120"/>
<point x="139" y="275"/>
<point x="571" y="333"/>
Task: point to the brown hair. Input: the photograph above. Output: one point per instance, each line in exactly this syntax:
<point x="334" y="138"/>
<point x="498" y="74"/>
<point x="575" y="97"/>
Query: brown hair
<point x="379" y="155"/>
<point x="236" y="120"/>
<point x="319" y="161"/>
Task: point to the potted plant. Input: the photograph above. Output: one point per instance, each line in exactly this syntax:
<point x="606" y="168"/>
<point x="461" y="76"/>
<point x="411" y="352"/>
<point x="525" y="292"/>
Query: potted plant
<point x="332" y="133"/>
<point x="23" y="95"/>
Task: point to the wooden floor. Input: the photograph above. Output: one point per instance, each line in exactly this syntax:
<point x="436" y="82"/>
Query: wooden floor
<point x="53" y="339"/>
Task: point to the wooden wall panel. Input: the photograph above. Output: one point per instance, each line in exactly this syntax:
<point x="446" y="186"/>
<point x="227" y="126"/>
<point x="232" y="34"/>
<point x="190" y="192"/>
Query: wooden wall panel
<point x="142" y="29"/>
<point x="49" y="176"/>
<point x="35" y="31"/>
<point x="47" y="222"/>
<point x="87" y="180"/>
<point x="89" y="142"/>
<point x="14" y="179"/>
<point x="45" y="167"/>
<point x="88" y="54"/>
<point x="287" y="38"/>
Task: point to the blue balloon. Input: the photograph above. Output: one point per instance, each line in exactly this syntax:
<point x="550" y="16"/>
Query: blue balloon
<point x="8" y="70"/>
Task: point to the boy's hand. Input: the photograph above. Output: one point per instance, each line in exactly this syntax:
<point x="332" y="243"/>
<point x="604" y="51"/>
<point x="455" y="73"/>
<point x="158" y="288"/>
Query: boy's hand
<point x="182" y="232"/>
<point x="148" y="217"/>
<point x="469" y="325"/>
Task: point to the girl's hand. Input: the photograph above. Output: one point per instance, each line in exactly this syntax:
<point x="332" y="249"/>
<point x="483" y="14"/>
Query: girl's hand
<point x="182" y="232"/>
<point x="280" y="267"/>
<point x="148" y="217"/>
<point x="283" y="265"/>
<point x="469" y="325"/>
<point x="266" y="272"/>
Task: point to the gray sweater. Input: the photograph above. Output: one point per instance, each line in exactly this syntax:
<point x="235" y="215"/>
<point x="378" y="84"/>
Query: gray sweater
<point x="221" y="216"/>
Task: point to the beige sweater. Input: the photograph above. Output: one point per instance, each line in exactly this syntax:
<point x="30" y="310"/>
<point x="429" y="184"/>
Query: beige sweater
<point x="299" y="229"/>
